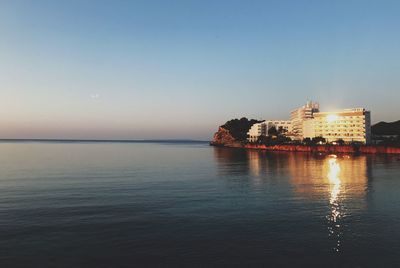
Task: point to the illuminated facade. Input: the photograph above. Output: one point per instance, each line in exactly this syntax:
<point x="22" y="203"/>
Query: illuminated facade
<point x="299" y="115"/>
<point x="348" y="125"/>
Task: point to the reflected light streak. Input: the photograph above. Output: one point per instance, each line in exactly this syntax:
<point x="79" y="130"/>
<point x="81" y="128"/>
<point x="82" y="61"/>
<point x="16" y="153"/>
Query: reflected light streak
<point x="334" y="180"/>
<point x="333" y="176"/>
<point x="340" y="181"/>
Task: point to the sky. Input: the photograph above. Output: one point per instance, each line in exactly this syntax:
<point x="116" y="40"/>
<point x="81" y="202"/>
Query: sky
<point x="109" y="69"/>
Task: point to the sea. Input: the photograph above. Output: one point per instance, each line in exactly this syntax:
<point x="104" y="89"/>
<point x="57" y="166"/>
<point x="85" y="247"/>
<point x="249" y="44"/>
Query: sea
<point x="187" y="204"/>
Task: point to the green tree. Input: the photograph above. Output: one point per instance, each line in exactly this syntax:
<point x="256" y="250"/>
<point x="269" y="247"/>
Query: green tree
<point x="318" y="140"/>
<point x="308" y="141"/>
<point x="340" y="142"/>
<point x="238" y="128"/>
<point x="272" y="131"/>
<point x="282" y="139"/>
<point x="266" y="140"/>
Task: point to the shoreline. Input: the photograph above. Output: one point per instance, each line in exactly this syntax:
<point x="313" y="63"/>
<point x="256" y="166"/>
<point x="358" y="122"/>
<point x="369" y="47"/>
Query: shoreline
<point x="331" y="149"/>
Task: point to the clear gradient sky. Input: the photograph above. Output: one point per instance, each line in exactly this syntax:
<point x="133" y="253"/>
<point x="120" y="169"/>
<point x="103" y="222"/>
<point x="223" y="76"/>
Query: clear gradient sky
<point x="178" y="69"/>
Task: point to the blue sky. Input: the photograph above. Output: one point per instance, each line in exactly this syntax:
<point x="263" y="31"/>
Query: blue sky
<point x="178" y="69"/>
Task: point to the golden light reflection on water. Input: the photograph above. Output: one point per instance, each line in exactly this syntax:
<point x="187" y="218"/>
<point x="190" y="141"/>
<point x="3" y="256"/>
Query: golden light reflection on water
<point x="333" y="176"/>
<point x="255" y="162"/>
<point x="335" y="216"/>
<point x="340" y="181"/>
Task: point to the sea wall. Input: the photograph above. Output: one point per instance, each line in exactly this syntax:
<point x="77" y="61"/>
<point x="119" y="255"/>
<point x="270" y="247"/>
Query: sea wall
<point x="379" y="150"/>
<point x="303" y="148"/>
<point x="329" y="149"/>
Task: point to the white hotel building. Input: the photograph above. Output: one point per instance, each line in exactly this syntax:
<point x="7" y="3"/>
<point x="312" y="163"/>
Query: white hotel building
<point x="262" y="129"/>
<point x="299" y="115"/>
<point x="349" y="125"/>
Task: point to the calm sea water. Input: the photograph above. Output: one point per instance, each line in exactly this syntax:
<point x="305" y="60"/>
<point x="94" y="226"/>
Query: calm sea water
<point x="187" y="204"/>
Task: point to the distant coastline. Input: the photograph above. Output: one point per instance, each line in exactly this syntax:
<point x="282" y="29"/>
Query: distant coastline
<point x="105" y="140"/>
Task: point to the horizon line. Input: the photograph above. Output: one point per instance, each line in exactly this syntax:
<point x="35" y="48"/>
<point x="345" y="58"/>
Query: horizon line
<point x="99" y="140"/>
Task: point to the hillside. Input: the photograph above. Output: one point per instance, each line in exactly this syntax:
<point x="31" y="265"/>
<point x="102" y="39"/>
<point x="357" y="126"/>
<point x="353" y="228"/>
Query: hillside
<point x="233" y="131"/>
<point x="238" y="128"/>
<point x="384" y="128"/>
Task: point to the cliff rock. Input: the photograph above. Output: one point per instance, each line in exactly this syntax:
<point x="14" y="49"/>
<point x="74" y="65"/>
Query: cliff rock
<point x="223" y="137"/>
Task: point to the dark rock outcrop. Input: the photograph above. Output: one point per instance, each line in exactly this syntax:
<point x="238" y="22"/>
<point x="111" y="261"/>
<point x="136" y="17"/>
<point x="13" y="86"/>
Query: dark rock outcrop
<point x="223" y="138"/>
